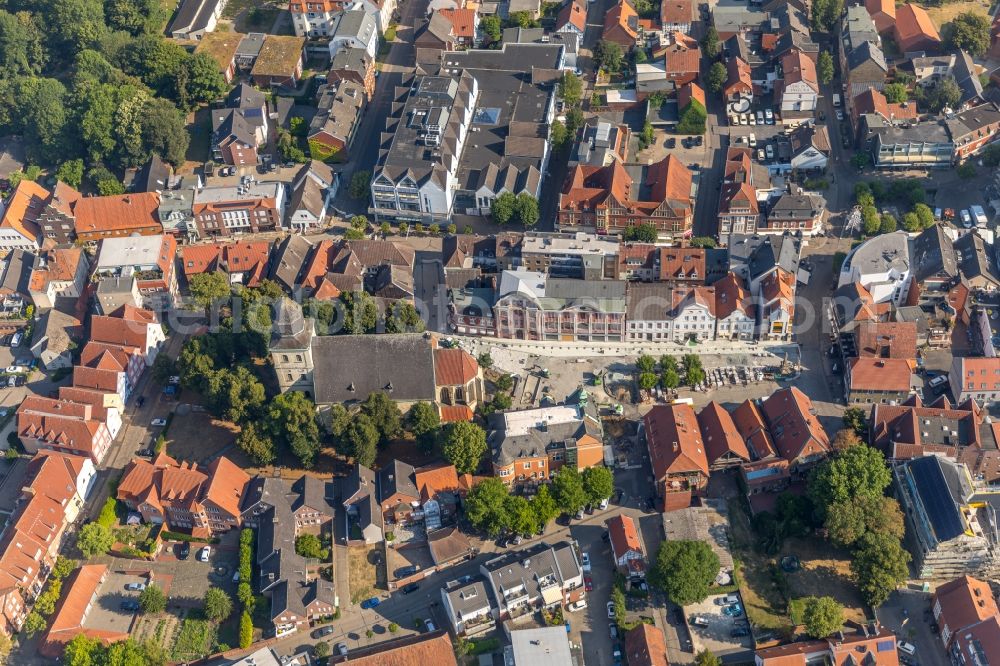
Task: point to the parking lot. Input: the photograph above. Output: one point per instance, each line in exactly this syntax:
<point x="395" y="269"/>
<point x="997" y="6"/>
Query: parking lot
<point x="718" y="635"/>
<point x="107" y="614"/>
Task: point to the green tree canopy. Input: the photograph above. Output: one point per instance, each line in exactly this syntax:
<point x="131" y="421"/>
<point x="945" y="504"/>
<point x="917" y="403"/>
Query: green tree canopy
<point x="598" y="483"/>
<point x="291" y="419"/>
<point x="570" y="88"/>
<point x="943" y="92"/>
<point x="152" y="600"/>
<point x="859" y="471"/>
<point x="879" y="566"/>
<point x="822" y="616"/>
<point x="824" y="67"/>
<point x="423" y="421"/>
<point x="609" y="56"/>
<point x="361" y="437"/>
<point x="491" y="27"/>
<point x="567" y="489"/>
<point x="208" y="288"/>
<point x="486" y="506"/>
<point x="969" y="32"/>
<point x="94" y="539"/>
<point x="218" y="604"/>
<point x="544" y="506"/>
<point x="684" y="570"/>
<point x="707" y="658"/>
<point x="642" y="233"/>
<point x="710" y="45"/>
<point x="503" y="208"/>
<point x="463" y="444"/>
<point x="521" y="516"/>
<point x="895" y="93"/>
<point x="825" y="14"/>
<point x="716" y="77"/>
<point x="385" y="415"/>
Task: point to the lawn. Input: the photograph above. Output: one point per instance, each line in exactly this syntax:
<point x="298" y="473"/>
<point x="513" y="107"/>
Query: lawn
<point x="201" y="137"/>
<point x="948" y="11"/>
<point x="762" y="597"/>
<point x="826" y="571"/>
<point x="195" y="639"/>
<point x="364" y="572"/>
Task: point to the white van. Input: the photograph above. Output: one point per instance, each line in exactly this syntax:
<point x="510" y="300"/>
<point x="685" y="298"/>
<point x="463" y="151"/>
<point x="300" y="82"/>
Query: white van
<point x="836" y="100"/>
<point x="978" y="216"/>
<point x="907" y="648"/>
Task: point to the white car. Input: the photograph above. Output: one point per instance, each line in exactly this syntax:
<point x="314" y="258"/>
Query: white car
<point x="611" y="610"/>
<point x="769" y="116"/>
<point x="938" y="381"/>
<point x="585" y="561"/>
<point x="429" y="625"/>
<point x="577" y="605"/>
<point x="840" y="114"/>
<point x="158" y="423"/>
<point x="753" y="140"/>
<point x="204" y="553"/>
<point x="908" y="648"/>
<point x="342" y="649"/>
<point x="751" y="118"/>
<point x="770" y="151"/>
<point x="966" y="222"/>
<point x="16" y="369"/>
<point x="760" y="154"/>
<point x="603" y="505"/>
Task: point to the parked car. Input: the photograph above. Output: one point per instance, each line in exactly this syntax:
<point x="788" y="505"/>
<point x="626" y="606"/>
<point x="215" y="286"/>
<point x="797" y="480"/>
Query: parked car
<point x="429" y="625"/>
<point x="403" y="572"/>
<point x="323" y="631"/>
<point x="16" y="340"/>
<point x="129" y="605"/>
<point x="840" y="114"/>
<point x="183" y="550"/>
<point x="204" y="553"/>
<point x="906" y="648"/>
<point x="16" y="369"/>
<point x="604" y="504"/>
<point x="760" y="155"/>
<point x="135" y="587"/>
<point x="158" y="423"/>
<point x="410" y="588"/>
<point x="611" y="610"/>
<point x="966" y="222"/>
<point x="588" y="583"/>
<point x="760" y="117"/>
<point x="699" y="621"/>
<point x="769" y="116"/>
<point x="769" y="149"/>
<point x="671" y="142"/>
<point x="577" y="605"/>
<point x="342" y="649"/>
<point x="753" y="140"/>
<point x="371" y="602"/>
<point x="937" y="381"/>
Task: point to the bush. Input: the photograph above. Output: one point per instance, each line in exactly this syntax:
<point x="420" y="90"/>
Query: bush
<point x="152" y="600"/>
<point x="167" y="535"/>
<point x="108" y="514"/>
<point x="246" y="630"/>
<point x="324" y="153"/>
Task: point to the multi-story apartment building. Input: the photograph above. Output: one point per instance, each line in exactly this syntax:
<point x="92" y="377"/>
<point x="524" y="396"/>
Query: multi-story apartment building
<point x="969" y="619"/>
<point x="184" y="497"/>
<point x="18" y="218"/>
<point x="739" y="211"/>
<point x="580" y="255"/>
<point x="149" y="259"/>
<point x="542" y="576"/>
<point x="677" y="454"/>
<point x="59" y="273"/>
<point x="101" y="218"/>
<point x="63" y="426"/>
<point x="529" y="446"/>
<point x="56" y="218"/>
<point x="975" y="378"/>
<point x="950" y="534"/>
<point x="533" y="306"/>
<point x="609" y="199"/>
<point x="232" y="210"/>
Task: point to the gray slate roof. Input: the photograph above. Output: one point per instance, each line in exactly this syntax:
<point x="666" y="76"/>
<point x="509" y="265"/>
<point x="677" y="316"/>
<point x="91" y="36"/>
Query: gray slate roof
<point x="289" y="260"/>
<point x="933" y="253"/>
<point x="350" y="367"/>
<point x="396" y="477"/>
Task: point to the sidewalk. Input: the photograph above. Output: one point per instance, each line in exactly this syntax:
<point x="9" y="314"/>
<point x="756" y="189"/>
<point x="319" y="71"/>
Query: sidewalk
<point x="553" y="348"/>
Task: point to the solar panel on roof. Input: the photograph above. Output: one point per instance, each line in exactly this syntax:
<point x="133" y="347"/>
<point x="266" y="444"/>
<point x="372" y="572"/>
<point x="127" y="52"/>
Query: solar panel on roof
<point x="936" y="498"/>
<point x="885" y="646"/>
<point x="487" y="116"/>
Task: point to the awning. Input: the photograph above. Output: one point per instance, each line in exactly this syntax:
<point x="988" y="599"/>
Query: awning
<point x="552" y="595"/>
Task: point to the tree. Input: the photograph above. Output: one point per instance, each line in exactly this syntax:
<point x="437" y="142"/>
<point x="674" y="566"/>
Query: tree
<point x="598" y="483"/>
<point x="879" y="566"/>
<point x="423" y="421"/>
<point x="647" y="136"/>
<point x="34" y="623"/>
<point x="710" y="43"/>
<point x="703" y="241"/>
<point x="642" y="233"/>
<point x="692" y="119"/>
<point x="943" y="92"/>
<point x="609" y="56"/>
<point x="855" y="419"/>
<point x="911" y="222"/>
<point x="824" y="67"/>
<point x="521" y="515"/>
<point x="64" y="566"/>
<point x="163" y="132"/>
<point x="684" y="570"/>
<point x="847" y="522"/>
<point x="707" y="658"/>
<point x="218" y="605"/>
<point x="924" y="214"/>
<point x="559" y="136"/>
<point x="648" y="380"/>
<point x="522" y="19"/>
<point x="322" y="650"/>
<point x="209" y="288"/>
<point x="871" y="221"/>
<point x="822" y="616"/>
<point x="361" y="437"/>
<point x="567" y="489"/>
<point x="716" y="77"/>
<point x="527" y="209"/>
<point x="23" y="52"/>
<point x="888" y="223"/>
<point x="254" y="441"/>
<point x="82" y="651"/>
<point x="969" y="32"/>
<point x="360" y="182"/>
<point x="463" y="444"/>
<point x="94" y="539"/>
<point x="895" y="93"/>
<point x="618" y="604"/>
<point x="204" y="80"/>
<point x="385" y="415"/>
<point x="544" y="506"/>
<point x="309" y="545"/>
<point x="71" y="173"/>
<point x="42" y="117"/>
<point x="859" y="471"/>
<point x="825" y="14"/>
<point x="360" y="312"/>
<point x="491" y="27"/>
<point x="503" y="208"/>
<point x="152" y="600"/>
<point x="694" y="372"/>
<point x="966" y="170"/>
<point x="486" y="506"/>
<point x="645" y="363"/>
<point x="246" y="630"/>
<point x="570" y="88"/>
<point x="845" y="439"/>
<point x="291" y="419"/>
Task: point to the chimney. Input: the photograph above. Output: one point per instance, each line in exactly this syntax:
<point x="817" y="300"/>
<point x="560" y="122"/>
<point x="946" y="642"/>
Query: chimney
<point x="676" y="447"/>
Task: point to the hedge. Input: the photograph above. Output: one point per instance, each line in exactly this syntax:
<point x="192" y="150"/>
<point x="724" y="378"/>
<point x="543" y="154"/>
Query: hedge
<point x="177" y="536"/>
<point x="323" y="152"/>
<point x="108" y="513"/>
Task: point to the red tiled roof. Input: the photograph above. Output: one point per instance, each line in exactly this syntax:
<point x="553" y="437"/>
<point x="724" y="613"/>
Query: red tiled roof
<point x="880" y="374"/>
<point x="434" y="649"/>
<point x="681" y="263"/>
<point x="688" y="92"/>
<point x="887" y="339"/>
<point x="455" y="413"/>
<point x="738" y="76"/>
<point x="646" y="646"/>
<point x="572" y="13"/>
<point x="730" y="295"/>
<point x="719" y="433"/>
<point x="23" y="208"/>
<point x="873" y="101"/>
<point x="963" y="602"/>
<point x="454" y="367"/>
<point x="240" y="257"/>
<point x="624" y="535"/>
<point x="674" y="441"/>
<point x="129" y="330"/>
<point x="226" y="483"/>
<point x="463" y="21"/>
<point x="795" y="429"/>
<point x="69" y="618"/>
<point x="117" y="213"/>
<point x="750" y="424"/>
<point x="620" y="17"/>
<point x="433" y="479"/>
<point x="798" y="67"/>
<point x="676" y="12"/>
<point x="981" y="638"/>
<point x="914" y="25"/>
<point x="681" y="59"/>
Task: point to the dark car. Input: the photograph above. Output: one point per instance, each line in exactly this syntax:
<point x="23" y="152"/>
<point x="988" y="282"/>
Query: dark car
<point x="409" y="588"/>
<point x="739" y="632"/>
<point x="129" y="605"/>
<point x="403" y="572"/>
<point x="371" y="602"/>
<point x="698" y="140"/>
<point x="671" y="142"/>
<point x="323" y="631"/>
<point x="183" y="550"/>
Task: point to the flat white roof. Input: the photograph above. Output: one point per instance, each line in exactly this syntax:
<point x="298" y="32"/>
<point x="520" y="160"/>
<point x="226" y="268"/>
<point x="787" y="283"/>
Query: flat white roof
<point x="579" y="243"/>
<point x="129" y="251"/>
<point x="253" y="190"/>
<point x="520" y="423"/>
<point x="549" y="646"/>
<point x="529" y="283"/>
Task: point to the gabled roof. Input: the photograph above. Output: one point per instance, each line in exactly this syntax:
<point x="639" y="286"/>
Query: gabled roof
<point x="793" y="425"/>
<point x="913" y="22"/>
<point x="624" y="535"/>
<point x="719" y="433"/>
<point x="572" y="13"/>
<point x="964" y="601"/>
<point x="622" y="17"/>
<point x="750" y="423"/>
<point x="417" y="650"/>
<point x="454" y="367"/>
<point x="396" y="478"/>
<point x="646" y="646"/>
<point x="797" y="67"/>
<point x="880" y="374"/>
<point x="674" y="441"/>
<point x="23" y="208"/>
<point x="116" y="213"/>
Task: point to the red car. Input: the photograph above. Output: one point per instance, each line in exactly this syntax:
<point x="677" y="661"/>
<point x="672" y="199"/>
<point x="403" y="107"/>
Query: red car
<point x="588" y="584"/>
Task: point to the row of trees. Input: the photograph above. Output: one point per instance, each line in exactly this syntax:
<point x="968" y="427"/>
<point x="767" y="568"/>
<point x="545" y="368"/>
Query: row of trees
<point x="356" y="313"/>
<point x="491" y="507"/>
<point x="521" y="208"/>
<point x="668" y="373"/>
<point x="903" y="192"/>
